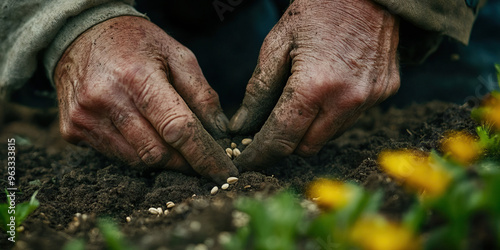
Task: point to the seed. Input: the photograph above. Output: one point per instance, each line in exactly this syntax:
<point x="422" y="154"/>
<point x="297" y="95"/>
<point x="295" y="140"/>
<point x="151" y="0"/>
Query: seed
<point x="194" y="195"/>
<point x="229" y="155"/>
<point x="214" y="190"/>
<point x="170" y="204"/>
<point x="247" y="186"/>
<point x="165" y="212"/>
<point x="246" y="141"/>
<point x="153" y="210"/>
<point x="232" y="180"/>
<point x="236" y="152"/>
<point x="225" y="186"/>
<point x="233" y="145"/>
<point x="229" y="151"/>
<point x="160" y="210"/>
<point x="128" y="219"/>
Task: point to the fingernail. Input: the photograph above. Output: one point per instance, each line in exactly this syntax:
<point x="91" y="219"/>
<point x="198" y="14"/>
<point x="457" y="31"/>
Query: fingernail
<point x="221" y="121"/>
<point x="238" y="119"/>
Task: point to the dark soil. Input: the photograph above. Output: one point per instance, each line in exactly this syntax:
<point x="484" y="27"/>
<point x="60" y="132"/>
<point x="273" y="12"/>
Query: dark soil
<point x="75" y="180"/>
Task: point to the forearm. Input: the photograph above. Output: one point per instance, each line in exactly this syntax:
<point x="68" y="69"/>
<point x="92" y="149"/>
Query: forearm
<point x="38" y="30"/>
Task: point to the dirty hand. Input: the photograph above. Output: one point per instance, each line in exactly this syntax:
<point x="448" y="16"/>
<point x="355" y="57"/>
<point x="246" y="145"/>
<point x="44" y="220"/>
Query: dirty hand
<point x="322" y="64"/>
<point x="134" y="93"/>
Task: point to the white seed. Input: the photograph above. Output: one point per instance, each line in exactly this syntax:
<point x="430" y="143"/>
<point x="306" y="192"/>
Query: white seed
<point x="246" y="141"/>
<point x="165" y="212"/>
<point x="229" y="151"/>
<point x="153" y="210"/>
<point x="128" y="219"/>
<point x="160" y="210"/>
<point x="194" y="195"/>
<point x="214" y="190"/>
<point x="233" y="145"/>
<point x="170" y="204"/>
<point x="236" y="152"/>
<point x="229" y="155"/>
<point x="232" y="180"/>
<point x="247" y="186"/>
<point x="225" y="186"/>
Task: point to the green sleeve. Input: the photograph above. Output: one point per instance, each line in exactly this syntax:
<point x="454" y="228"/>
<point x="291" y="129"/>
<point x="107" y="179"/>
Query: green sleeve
<point x="35" y="34"/>
<point x="425" y="22"/>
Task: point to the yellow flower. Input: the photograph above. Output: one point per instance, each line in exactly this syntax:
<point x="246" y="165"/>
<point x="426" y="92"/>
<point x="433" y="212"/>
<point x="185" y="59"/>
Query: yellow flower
<point x="491" y="110"/>
<point x="461" y="147"/>
<point x="415" y="170"/>
<point x="330" y="194"/>
<point x="376" y="233"/>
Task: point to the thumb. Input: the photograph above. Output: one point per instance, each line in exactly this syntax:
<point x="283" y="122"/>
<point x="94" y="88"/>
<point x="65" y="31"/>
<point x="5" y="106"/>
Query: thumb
<point x="266" y="84"/>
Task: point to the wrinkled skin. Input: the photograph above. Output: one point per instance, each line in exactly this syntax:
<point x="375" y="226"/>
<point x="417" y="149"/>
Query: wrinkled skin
<point x="134" y="93"/>
<point x="320" y="67"/>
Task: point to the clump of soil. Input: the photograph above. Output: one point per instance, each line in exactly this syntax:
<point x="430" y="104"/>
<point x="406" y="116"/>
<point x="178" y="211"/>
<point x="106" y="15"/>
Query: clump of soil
<point x="75" y="180"/>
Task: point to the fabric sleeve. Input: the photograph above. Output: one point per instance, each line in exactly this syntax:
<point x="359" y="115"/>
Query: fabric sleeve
<point x="35" y="31"/>
<point x="425" y="22"/>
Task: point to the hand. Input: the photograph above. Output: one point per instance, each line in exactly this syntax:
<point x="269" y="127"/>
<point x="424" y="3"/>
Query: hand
<point x="320" y="67"/>
<point x="134" y="93"/>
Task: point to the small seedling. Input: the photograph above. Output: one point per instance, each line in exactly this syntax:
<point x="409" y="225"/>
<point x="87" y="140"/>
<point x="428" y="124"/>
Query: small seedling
<point x="20" y="213"/>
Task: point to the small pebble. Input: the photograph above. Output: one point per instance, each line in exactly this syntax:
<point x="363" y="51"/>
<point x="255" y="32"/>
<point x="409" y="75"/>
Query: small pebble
<point x="236" y="152"/>
<point x="233" y="145"/>
<point x="225" y="186"/>
<point x="214" y="190"/>
<point x="232" y="180"/>
<point x="246" y="141"/>
<point x="170" y="204"/>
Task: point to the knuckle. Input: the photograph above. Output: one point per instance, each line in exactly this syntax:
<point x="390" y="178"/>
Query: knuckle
<point x="306" y="150"/>
<point x="208" y="98"/>
<point x="69" y="132"/>
<point x="152" y="154"/>
<point x="93" y="95"/>
<point x="186" y="54"/>
<point x="174" y="129"/>
<point x="280" y="147"/>
<point x="358" y="97"/>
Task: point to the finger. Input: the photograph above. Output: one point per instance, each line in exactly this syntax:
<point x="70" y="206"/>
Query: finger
<point x="147" y="144"/>
<point x="105" y="138"/>
<point x="179" y="128"/>
<point x="324" y="128"/>
<point x="187" y="78"/>
<point x="284" y="129"/>
<point x="266" y="83"/>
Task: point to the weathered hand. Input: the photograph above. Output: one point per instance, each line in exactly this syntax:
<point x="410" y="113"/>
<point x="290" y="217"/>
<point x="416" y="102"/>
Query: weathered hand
<point x="134" y="93"/>
<point x="323" y="63"/>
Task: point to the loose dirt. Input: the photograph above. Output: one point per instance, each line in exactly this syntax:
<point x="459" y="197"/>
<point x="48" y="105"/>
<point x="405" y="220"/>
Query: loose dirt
<point x="75" y="180"/>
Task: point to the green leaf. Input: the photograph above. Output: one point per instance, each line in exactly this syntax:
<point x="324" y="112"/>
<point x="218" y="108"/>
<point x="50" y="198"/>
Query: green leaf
<point x="22" y="211"/>
<point x="112" y="235"/>
<point x="75" y="244"/>
<point x="26" y="208"/>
